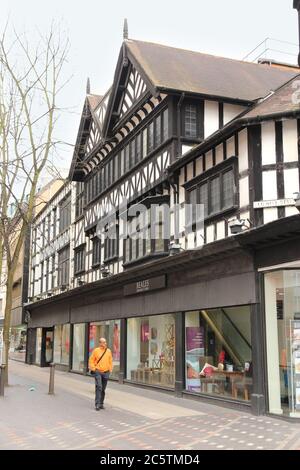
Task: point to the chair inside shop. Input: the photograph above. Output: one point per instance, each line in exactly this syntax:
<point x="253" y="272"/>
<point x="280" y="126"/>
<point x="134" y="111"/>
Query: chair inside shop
<point x="244" y="386"/>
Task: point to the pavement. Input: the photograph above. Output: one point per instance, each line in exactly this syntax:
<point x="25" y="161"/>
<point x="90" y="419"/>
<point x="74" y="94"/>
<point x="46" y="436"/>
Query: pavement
<point x="133" y="418"/>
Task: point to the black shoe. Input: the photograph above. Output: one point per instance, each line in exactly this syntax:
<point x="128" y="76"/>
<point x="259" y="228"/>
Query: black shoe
<point x="101" y="407"/>
<point x="97" y="408"/>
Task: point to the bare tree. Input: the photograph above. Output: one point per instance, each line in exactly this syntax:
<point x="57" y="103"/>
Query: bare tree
<point x="31" y="79"/>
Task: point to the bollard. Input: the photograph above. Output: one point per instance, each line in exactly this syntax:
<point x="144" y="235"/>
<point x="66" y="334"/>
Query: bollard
<point x="2" y="380"/>
<point x="51" y="380"/>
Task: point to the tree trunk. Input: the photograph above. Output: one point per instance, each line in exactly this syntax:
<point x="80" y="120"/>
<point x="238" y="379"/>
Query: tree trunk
<point x="7" y="321"/>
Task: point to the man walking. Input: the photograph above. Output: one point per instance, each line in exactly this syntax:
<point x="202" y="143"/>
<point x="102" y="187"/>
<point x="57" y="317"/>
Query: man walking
<point x="100" y="365"/>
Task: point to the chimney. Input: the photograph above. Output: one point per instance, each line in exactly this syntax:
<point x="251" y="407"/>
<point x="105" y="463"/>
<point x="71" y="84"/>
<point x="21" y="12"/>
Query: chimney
<point x="296" y="5"/>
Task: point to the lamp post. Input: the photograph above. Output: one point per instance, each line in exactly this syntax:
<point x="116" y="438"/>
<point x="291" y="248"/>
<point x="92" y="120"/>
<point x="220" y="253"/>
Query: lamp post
<point x="237" y="225"/>
<point x="105" y="272"/>
<point x="174" y="248"/>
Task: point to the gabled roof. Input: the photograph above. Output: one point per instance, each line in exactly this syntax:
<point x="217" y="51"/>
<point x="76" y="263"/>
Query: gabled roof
<point x="94" y="101"/>
<point x="170" y="68"/>
<point x="163" y="69"/>
<point x="88" y="113"/>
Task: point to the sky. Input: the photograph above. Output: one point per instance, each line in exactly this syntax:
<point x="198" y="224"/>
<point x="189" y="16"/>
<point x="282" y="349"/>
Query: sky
<point x="230" y="28"/>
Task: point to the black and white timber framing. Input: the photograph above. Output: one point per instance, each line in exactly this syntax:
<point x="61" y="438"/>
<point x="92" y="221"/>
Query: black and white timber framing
<point x="144" y="138"/>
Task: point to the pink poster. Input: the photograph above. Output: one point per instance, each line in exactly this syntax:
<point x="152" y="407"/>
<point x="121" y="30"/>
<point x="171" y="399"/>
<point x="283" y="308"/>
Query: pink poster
<point x="92" y="339"/>
<point x="194" y="338"/>
<point x="116" y="343"/>
<point x="144" y="332"/>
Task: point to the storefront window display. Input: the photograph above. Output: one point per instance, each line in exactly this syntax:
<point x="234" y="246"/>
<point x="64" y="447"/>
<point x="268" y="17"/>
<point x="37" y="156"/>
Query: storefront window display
<point x="218" y="352"/>
<point x="78" y="347"/>
<point x="282" y="309"/>
<point x="38" y="346"/>
<point x="49" y="346"/>
<point x="62" y="344"/>
<point x="151" y="350"/>
<point x="18" y="343"/>
<point x="110" y="330"/>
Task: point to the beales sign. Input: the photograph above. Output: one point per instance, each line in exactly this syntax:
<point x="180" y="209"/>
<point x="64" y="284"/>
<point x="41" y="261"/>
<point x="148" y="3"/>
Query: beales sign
<point x="274" y="203"/>
<point x="145" y="285"/>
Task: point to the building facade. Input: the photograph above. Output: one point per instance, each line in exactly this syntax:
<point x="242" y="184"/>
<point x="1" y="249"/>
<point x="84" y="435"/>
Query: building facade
<point x="20" y="290"/>
<point x="209" y="309"/>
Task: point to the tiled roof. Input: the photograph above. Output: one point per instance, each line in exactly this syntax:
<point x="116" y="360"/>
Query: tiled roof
<point x="170" y="68"/>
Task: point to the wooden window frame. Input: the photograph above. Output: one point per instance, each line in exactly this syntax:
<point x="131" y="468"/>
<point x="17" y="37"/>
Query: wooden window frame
<point x="206" y="178"/>
<point x="96" y="250"/>
<point x="79" y="259"/>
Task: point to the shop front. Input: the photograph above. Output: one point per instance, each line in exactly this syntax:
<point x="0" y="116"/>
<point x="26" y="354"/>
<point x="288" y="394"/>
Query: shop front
<point x="110" y="330"/>
<point x="18" y="338"/>
<point x="194" y="331"/>
<point x="61" y="349"/>
<point x="218" y="352"/>
<point x="276" y="250"/>
<point x="282" y="311"/>
<point x="151" y="350"/>
<point x="43" y="351"/>
<point x="78" y="348"/>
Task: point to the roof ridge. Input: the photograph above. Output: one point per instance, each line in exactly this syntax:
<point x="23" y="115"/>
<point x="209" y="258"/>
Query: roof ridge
<point x="265" y="66"/>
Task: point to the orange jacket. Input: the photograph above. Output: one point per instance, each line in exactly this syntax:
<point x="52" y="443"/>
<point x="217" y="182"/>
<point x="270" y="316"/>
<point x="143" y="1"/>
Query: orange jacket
<point x="106" y="362"/>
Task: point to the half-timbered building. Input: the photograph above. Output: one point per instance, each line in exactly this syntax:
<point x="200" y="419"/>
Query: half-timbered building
<point x="185" y="312"/>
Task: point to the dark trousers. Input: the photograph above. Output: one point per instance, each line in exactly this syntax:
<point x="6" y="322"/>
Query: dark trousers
<point x="100" y="386"/>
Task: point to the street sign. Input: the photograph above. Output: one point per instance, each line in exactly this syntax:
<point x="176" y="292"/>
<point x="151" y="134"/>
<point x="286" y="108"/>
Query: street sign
<point x="274" y="203"/>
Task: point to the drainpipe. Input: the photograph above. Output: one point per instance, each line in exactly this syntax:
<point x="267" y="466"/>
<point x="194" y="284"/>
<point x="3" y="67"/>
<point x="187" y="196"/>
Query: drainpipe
<point x="179" y="124"/>
<point x="296" y="5"/>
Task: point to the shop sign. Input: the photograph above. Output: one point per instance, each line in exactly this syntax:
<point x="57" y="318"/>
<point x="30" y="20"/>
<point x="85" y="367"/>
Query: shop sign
<point x="273" y="203"/>
<point x="145" y="285"/>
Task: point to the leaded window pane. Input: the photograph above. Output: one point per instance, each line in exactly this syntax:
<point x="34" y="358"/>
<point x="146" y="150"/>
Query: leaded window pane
<point x="228" y="189"/>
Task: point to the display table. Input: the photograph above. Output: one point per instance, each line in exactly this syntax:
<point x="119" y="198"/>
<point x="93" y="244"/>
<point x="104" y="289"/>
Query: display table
<point x="231" y="375"/>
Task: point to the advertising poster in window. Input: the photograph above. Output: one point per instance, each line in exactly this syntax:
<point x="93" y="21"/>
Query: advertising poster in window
<point x="116" y="342"/>
<point x="194" y="351"/>
<point x="145" y="332"/>
<point x="92" y="338"/>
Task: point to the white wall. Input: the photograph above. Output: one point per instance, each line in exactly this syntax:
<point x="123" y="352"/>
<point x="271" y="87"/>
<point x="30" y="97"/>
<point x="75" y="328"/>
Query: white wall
<point x="290" y="140"/>
<point x="268" y="143"/>
<point x="231" y="111"/>
<point x="211" y="117"/>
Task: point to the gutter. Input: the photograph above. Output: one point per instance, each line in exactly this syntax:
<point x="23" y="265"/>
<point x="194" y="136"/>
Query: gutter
<point x="179" y="124"/>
